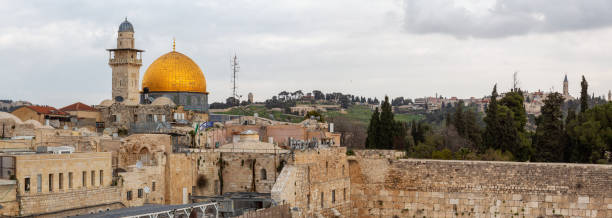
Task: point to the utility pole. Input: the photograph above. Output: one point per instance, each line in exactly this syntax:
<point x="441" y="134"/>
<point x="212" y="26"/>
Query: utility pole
<point x="235" y="69"/>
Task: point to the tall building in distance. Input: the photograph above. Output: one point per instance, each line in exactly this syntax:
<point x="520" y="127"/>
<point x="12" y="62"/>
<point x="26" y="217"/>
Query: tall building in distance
<point x="565" y="87"/>
<point x="250" y="98"/>
<point x="125" y="62"/>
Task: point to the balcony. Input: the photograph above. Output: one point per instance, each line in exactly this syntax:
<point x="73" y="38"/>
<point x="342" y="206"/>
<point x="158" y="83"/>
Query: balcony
<point x="114" y="61"/>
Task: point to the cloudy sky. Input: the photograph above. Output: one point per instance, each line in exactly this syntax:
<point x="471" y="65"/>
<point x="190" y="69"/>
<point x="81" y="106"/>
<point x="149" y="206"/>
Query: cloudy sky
<point x="53" y="52"/>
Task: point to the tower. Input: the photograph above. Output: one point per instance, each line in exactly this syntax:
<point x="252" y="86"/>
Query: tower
<point x="125" y="62"/>
<point x="565" y="87"/>
<point x="609" y="95"/>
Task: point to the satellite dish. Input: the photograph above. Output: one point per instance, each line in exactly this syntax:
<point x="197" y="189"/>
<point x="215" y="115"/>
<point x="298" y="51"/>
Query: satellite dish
<point x="147" y="190"/>
<point x="139" y="164"/>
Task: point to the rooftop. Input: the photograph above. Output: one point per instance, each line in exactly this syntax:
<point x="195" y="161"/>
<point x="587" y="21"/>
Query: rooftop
<point x="78" y="107"/>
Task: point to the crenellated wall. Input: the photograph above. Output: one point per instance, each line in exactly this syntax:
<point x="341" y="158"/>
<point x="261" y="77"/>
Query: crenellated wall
<point x="388" y="187"/>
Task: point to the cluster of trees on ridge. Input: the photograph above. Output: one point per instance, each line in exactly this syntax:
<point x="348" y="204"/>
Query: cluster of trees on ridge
<point x="579" y="136"/>
<point x="286" y="99"/>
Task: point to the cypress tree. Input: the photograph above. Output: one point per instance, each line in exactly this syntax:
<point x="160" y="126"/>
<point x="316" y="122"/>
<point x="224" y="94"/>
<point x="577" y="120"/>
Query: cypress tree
<point x="584" y="96"/>
<point x="549" y="137"/>
<point x="386" y="125"/>
<point x="372" y="138"/>
<point x="459" y="121"/>
<point x="491" y="120"/>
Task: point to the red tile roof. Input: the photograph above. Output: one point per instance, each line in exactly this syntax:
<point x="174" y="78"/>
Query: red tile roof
<point x="46" y="110"/>
<point x="78" y="107"/>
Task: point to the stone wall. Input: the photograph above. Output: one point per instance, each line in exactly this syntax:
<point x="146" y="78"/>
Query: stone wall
<point x="41" y="204"/>
<point x="8" y="198"/>
<point x="383" y="187"/>
<point x="190" y="174"/>
<point x="244" y="172"/>
<point x="316" y="183"/>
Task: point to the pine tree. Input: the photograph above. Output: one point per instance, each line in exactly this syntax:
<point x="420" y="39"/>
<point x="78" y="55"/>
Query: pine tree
<point x="549" y="137"/>
<point x="372" y="138"/>
<point x="584" y="95"/>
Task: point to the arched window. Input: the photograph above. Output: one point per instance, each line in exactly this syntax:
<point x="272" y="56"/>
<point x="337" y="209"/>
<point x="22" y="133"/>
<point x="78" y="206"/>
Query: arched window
<point x="342" y="170"/>
<point x="144" y="156"/>
<point x="264" y="176"/>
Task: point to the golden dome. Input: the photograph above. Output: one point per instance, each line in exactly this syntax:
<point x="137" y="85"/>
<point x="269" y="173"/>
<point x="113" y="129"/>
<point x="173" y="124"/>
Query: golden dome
<point x="174" y="72"/>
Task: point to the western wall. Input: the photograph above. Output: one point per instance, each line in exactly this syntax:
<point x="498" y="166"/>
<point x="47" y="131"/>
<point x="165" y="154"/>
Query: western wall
<point x="383" y="185"/>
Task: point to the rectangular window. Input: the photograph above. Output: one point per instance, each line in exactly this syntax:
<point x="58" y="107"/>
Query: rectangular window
<point x="101" y="177"/>
<point x="93" y="178"/>
<point x="129" y="195"/>
<point x="333" y="196"/>
<point x="60" y="181"/>
<point x="344" y="194"/>
<point x="308" y="201"/>
<point x="70" y="180"/>
<point x="153" y="186"/>
<point x="26" y="183"/>
<point x="50" y="182"/>
<point x="322" y="202"/>
<point x="140" y="193"/>
<point x="39" y="183"/>
<point x="84" y="178"/>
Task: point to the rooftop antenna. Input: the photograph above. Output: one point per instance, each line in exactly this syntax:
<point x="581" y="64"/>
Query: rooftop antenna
<point x="235" y="69"/>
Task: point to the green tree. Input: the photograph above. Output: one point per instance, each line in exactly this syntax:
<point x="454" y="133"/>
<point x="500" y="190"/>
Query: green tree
<point x="458" y="120"/>
<point x="584" y="95"/>
<point x="373" y="135"/>
<point x="591" y="135"/>
<point x="549" y="137"/>
<point x="386" y="126"/>
<point x="491" y="120"/>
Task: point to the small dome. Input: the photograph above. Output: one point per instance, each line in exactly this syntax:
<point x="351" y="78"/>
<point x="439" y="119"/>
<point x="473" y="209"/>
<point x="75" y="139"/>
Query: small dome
<point x="106" y="103"/>
<point x="126" y="26"/>
<point x="163" y="101"/>
<point x="35" y="123"/>
<point x="5" y="115"/>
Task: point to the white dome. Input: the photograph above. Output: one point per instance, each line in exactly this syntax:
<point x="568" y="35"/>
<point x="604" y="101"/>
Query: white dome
<point x="106" y="103"/>
<point x="163" y="101"/>
<point x="5" y="115"/>
<point x="35" y="123"/>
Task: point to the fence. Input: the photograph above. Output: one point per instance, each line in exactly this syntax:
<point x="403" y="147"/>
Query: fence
<point x="281" y="211"/>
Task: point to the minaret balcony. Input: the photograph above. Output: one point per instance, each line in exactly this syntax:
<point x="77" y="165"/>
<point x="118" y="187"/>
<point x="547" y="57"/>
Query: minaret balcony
<point x="114" y="61"/>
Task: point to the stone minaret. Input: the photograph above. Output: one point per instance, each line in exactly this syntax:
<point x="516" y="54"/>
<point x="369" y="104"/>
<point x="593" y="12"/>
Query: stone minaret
<point x="565" y="87"/>
<point x="125" y="61"/>
<point x="609" y="95"/>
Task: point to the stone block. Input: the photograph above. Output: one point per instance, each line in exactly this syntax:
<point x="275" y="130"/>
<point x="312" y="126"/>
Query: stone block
<point x="583" y="199"/>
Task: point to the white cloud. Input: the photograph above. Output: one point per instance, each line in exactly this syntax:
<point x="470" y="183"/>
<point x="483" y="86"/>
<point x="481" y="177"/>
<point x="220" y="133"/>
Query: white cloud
<point x="54" y="52"/>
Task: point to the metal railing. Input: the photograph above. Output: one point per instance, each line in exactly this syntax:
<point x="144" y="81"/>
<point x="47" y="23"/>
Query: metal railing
<point x="184" y="211"/>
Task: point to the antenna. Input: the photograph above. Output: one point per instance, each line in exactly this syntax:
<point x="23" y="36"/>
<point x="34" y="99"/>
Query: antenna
<point x="235" y="69"/>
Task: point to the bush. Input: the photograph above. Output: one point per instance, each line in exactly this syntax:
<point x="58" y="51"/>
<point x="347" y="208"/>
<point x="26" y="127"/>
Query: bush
<point x="422" y="151"/>
<point x="497" y="155"/>
<point x="350" y="152"/>
<point x="444" y="154"/>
